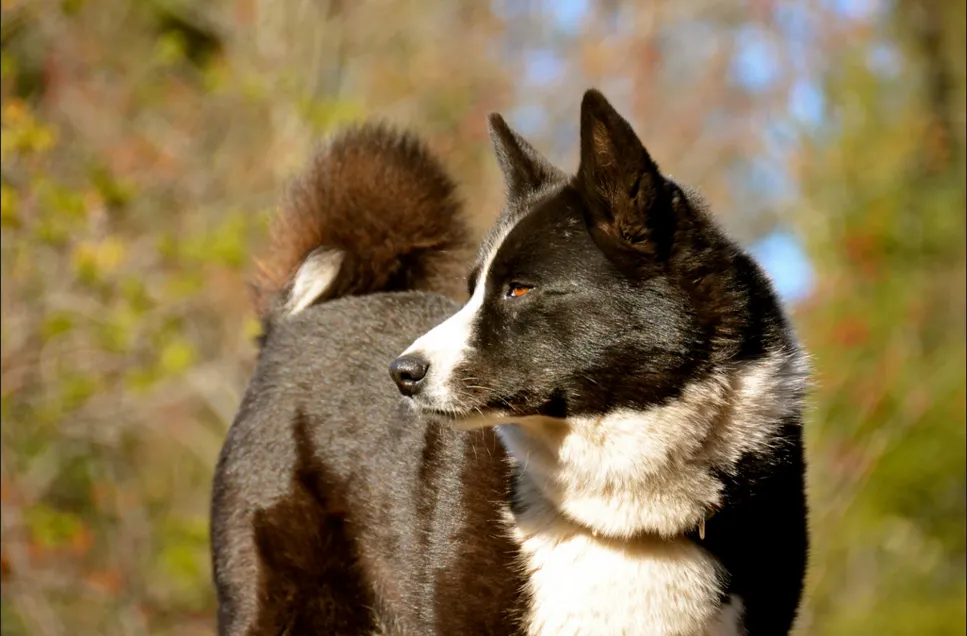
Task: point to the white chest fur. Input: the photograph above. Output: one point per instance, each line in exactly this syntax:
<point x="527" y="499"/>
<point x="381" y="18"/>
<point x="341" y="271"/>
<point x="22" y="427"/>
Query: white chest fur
<point x="641" y="479"/>
<point x="581" y="584"/>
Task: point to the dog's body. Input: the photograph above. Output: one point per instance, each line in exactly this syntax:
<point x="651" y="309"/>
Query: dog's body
<point x="626" y="397"/>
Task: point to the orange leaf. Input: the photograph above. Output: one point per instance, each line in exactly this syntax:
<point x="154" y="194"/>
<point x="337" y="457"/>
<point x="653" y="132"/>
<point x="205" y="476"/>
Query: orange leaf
<point x="105" y="580"/>
<point x="82" y="541"/>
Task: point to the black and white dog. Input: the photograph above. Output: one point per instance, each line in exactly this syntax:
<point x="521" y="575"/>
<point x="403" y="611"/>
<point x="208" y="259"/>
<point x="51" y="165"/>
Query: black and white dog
<point x="605" y="439"/>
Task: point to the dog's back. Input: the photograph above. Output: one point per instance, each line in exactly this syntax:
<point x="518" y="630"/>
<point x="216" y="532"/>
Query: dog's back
<point x="331" y="501"/>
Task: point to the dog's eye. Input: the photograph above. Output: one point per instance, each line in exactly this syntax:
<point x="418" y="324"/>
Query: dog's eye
<point x="516" y="290"/>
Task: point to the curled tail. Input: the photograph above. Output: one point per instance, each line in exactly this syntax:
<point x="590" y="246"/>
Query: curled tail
<point x="373" y="211"/>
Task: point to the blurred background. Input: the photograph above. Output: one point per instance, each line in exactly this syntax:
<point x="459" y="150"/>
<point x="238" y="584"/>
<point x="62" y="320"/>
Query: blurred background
<point x="145" y="143"/>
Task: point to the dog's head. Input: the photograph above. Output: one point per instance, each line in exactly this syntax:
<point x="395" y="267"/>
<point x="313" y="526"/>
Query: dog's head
<point x="605" y="289"/>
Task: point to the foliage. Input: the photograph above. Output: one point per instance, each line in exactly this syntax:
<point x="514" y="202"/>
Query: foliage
<point x="887" y="439"/>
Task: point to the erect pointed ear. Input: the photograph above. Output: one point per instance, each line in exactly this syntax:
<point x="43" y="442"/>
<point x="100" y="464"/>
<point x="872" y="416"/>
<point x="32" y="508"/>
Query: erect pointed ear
<point x="524" y="168"/>
<point x="621" y="184"/>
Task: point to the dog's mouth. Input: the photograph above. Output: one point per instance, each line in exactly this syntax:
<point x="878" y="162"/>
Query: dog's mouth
<point x="434" y="413"/>
<point x="507" y="411"/>
<point x="479" y="417"/>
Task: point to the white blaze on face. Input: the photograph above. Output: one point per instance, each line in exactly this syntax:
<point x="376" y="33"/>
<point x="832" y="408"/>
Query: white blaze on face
<point x="447" y="344"/>
<point x="444" y="347"/>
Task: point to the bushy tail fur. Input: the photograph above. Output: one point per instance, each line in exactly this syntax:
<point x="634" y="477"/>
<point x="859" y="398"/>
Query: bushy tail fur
<point x="373" y="211"/>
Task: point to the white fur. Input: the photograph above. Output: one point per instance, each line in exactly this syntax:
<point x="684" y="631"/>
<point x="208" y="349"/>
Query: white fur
<point x="315" y="275"/>
<point x="606" y="503"/>
<point x="583" y="584"/>
<point x="729" y="621"/>
<point x="445" y="346"/>
<point x="651" y="471"/>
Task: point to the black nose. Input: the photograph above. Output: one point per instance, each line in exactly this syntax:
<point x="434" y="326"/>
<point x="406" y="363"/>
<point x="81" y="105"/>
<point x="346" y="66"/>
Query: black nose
<point x="408" y="373"/>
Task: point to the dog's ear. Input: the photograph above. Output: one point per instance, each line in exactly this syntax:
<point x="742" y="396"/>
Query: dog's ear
<point x="524" y="168"/>
<point x="620" y="182"/>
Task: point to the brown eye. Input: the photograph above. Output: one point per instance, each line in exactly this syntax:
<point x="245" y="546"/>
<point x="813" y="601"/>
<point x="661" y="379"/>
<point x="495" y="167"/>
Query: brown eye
<point x="516" y="290"/>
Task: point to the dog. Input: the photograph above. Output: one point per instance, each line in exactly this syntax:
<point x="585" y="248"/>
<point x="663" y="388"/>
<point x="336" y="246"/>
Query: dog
<point x="604" y="439"/>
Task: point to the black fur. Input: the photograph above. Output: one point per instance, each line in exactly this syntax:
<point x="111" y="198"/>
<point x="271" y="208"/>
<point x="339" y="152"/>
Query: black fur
<point x="636" y="291"/>
<point x="760" y="535"/>
<point x="336" y="511"/>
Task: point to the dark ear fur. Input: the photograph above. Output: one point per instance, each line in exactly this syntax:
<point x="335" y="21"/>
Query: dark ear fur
<point x="524" y="168"/>
<point x="620" y="183"/>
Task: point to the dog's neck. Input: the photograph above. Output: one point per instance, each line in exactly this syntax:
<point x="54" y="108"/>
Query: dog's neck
<point x="604" y="507"/>
<point x="653" y="471"/>
<point x="580" y="581"/>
